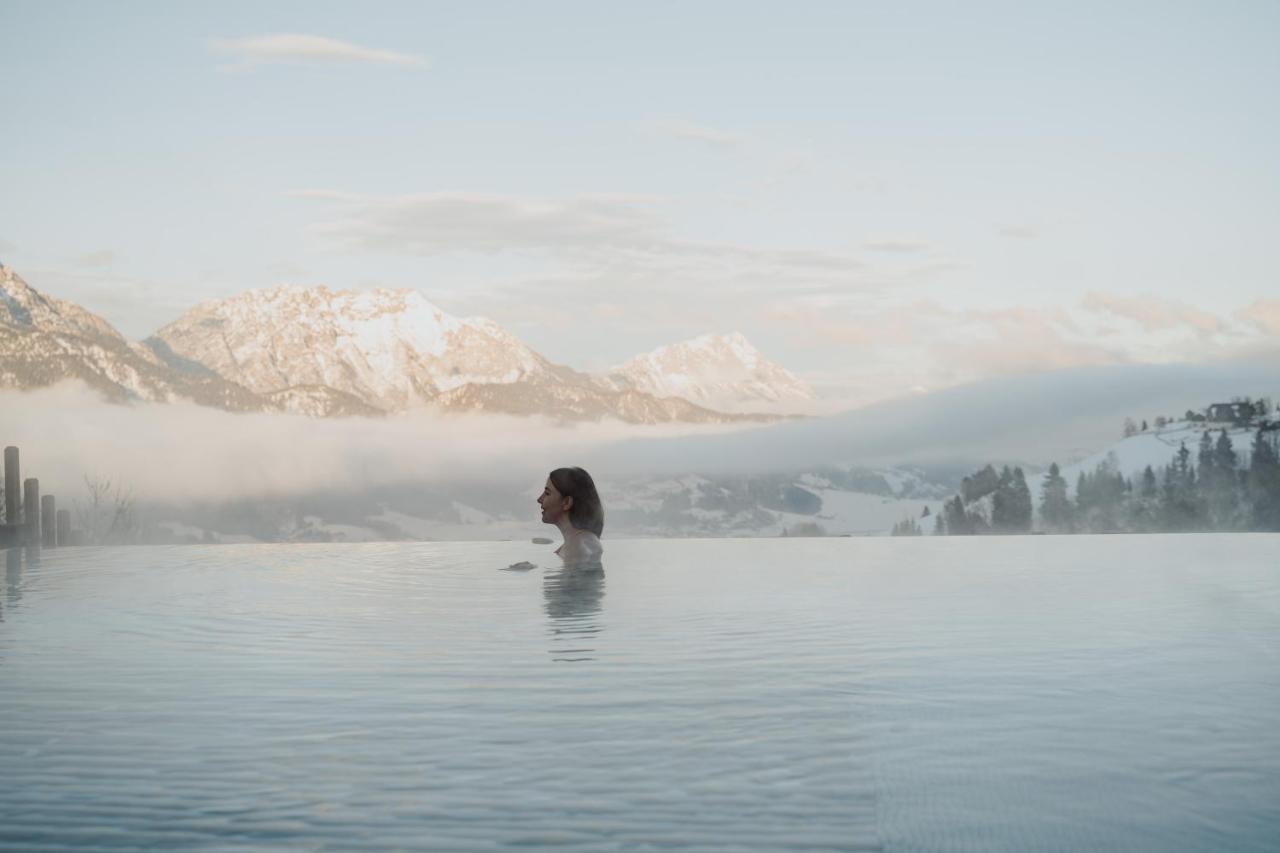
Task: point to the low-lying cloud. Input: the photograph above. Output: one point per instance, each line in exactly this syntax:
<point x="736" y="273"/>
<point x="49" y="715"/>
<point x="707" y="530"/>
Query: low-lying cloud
<point x="183" y="452"/>
<point x="180" y="452"/>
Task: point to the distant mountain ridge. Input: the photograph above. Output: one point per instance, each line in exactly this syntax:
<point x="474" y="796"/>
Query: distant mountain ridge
<point x="387" y="348"/>
<point x="719" y="371"/>
<point x="44" y="340"/>
<point x="318" y="352"/>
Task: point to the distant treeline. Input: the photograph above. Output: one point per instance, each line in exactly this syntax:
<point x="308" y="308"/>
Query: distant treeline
<point x="1205" y="490"/>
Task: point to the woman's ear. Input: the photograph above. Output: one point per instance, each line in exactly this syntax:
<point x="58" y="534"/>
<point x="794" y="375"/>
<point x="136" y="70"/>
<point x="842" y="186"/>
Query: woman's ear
<point x="568" y="503"/>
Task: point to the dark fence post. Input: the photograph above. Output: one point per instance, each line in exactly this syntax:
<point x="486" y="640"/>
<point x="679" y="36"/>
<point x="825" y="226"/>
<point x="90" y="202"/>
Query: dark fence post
<point x="48" y="521"/>
<point x="31" y="510"/>
<point x="12" y="487"/>
<point x="64" y="527"/>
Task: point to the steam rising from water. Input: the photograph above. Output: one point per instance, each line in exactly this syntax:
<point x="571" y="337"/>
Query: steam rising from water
<point x="182" y="451"/>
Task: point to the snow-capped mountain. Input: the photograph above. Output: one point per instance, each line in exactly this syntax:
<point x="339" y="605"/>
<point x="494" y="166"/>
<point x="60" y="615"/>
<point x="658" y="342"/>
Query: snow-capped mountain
<point x="44" y="340"/>
<point x="24" y="307"/>
<point x="313" y="351"/>
<point x="393" y="349"/>
<point x="390" y="349"/>
<point x="718" y="371"/>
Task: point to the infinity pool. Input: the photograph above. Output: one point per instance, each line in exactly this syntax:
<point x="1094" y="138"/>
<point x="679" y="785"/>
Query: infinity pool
<point x="999" y="693"/>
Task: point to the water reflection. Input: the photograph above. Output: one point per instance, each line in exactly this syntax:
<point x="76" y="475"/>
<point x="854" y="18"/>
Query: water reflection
<point x="574" y="596"/>
<point x="13" y="575"/>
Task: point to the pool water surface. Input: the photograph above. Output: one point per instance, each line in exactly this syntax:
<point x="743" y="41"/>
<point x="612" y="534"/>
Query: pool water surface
<point x="985" y="693"/>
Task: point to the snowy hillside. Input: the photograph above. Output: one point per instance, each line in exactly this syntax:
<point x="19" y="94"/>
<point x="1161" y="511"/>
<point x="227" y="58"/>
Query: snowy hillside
<point x="1156" y="447"/>
<point x="717" y="371"/>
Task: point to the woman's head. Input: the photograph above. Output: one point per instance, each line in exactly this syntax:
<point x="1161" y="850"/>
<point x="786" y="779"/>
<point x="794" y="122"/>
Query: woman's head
<point x="572" y="491"/>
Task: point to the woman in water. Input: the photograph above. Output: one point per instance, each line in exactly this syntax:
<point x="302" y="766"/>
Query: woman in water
<point x="570" y="502"/>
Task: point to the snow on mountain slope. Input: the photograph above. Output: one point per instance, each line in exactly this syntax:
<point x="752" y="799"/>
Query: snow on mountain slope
<point x="44" y="340"/>
<point x="323" y="353"/>
<point x="1156" y="448"/>
<point x="584" y="402"/>
<point x="717" y="371"/>
<point x="390" y="349"/>
<point x="23" y="306"/>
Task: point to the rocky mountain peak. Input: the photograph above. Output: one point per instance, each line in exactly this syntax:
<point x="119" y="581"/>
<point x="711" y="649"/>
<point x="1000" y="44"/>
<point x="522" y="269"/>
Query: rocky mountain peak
<point x="723" y="371"/>
<point x="389" y="348"/>
<point x="23" y="306"/>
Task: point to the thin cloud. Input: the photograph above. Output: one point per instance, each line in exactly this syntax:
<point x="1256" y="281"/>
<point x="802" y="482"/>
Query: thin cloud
<point x="923" y="344"/>
<point x="96" y="260"/>
<point x="681" y="129"/>
<point x="302" y="48"/>
<point x="1015" y="341"/>
<point x="433" y="223"/>
<point x="904" y="247"/>
<point x="1020" y="232"/>
<point x="620" y="235"/>
<point x="1262" y="314"/>
<point x="1153" y="313"/>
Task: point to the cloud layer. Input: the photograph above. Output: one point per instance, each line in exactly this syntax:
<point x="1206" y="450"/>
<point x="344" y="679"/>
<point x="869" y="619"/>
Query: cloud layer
<point x="683" y="129"/>
<point x="299" y="47"/>
<point x="180" y="451"/>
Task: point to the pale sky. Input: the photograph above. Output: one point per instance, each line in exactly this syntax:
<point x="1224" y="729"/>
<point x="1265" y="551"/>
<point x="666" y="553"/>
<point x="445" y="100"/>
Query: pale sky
<point x="880" y="196"/>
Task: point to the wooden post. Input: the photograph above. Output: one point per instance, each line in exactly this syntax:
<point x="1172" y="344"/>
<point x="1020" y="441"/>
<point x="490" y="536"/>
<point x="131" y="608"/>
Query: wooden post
<point x="31" y="510"/>
<point x="48" y="521"/>
<point x="64" y="527"/>
<point x="12" y="487"/>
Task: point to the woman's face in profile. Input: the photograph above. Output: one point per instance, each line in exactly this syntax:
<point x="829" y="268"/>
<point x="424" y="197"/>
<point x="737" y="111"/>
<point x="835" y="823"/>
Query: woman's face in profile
<point x="552" y="503"/>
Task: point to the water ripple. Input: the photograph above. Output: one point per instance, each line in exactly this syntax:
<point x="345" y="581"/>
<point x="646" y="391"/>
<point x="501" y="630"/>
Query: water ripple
<point x="1013" y="694"/>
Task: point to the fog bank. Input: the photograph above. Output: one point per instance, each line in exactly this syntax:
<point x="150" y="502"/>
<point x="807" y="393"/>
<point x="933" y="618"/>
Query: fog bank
<point x="1033" y="420"/>
<point x="181" y="452"/>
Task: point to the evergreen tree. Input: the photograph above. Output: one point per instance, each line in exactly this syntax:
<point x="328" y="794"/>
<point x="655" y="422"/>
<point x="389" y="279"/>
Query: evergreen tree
<point x="958" y="523"/>
<point x="1180" y="505"/>
<point x="1100" y="497"/>
<point x="1020" y="516"/>
<point x="1264" y="483"/>
<point x="1208" y="477"/>
<point x="906" y="527"/>
<point x="979" y="485"/>
<point x="1144" y="503"/>
<point x="1148" y="483"/>
<point x="1205" y="457"/>
<point x="939" y="525"/>
<point x="1055" y="507"/>
<point x="1222" y="489"/>
<point x="1002" y="503"/>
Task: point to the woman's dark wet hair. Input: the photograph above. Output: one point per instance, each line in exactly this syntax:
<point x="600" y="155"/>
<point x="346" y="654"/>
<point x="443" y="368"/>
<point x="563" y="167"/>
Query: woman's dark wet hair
<point x="586" y="512"/>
